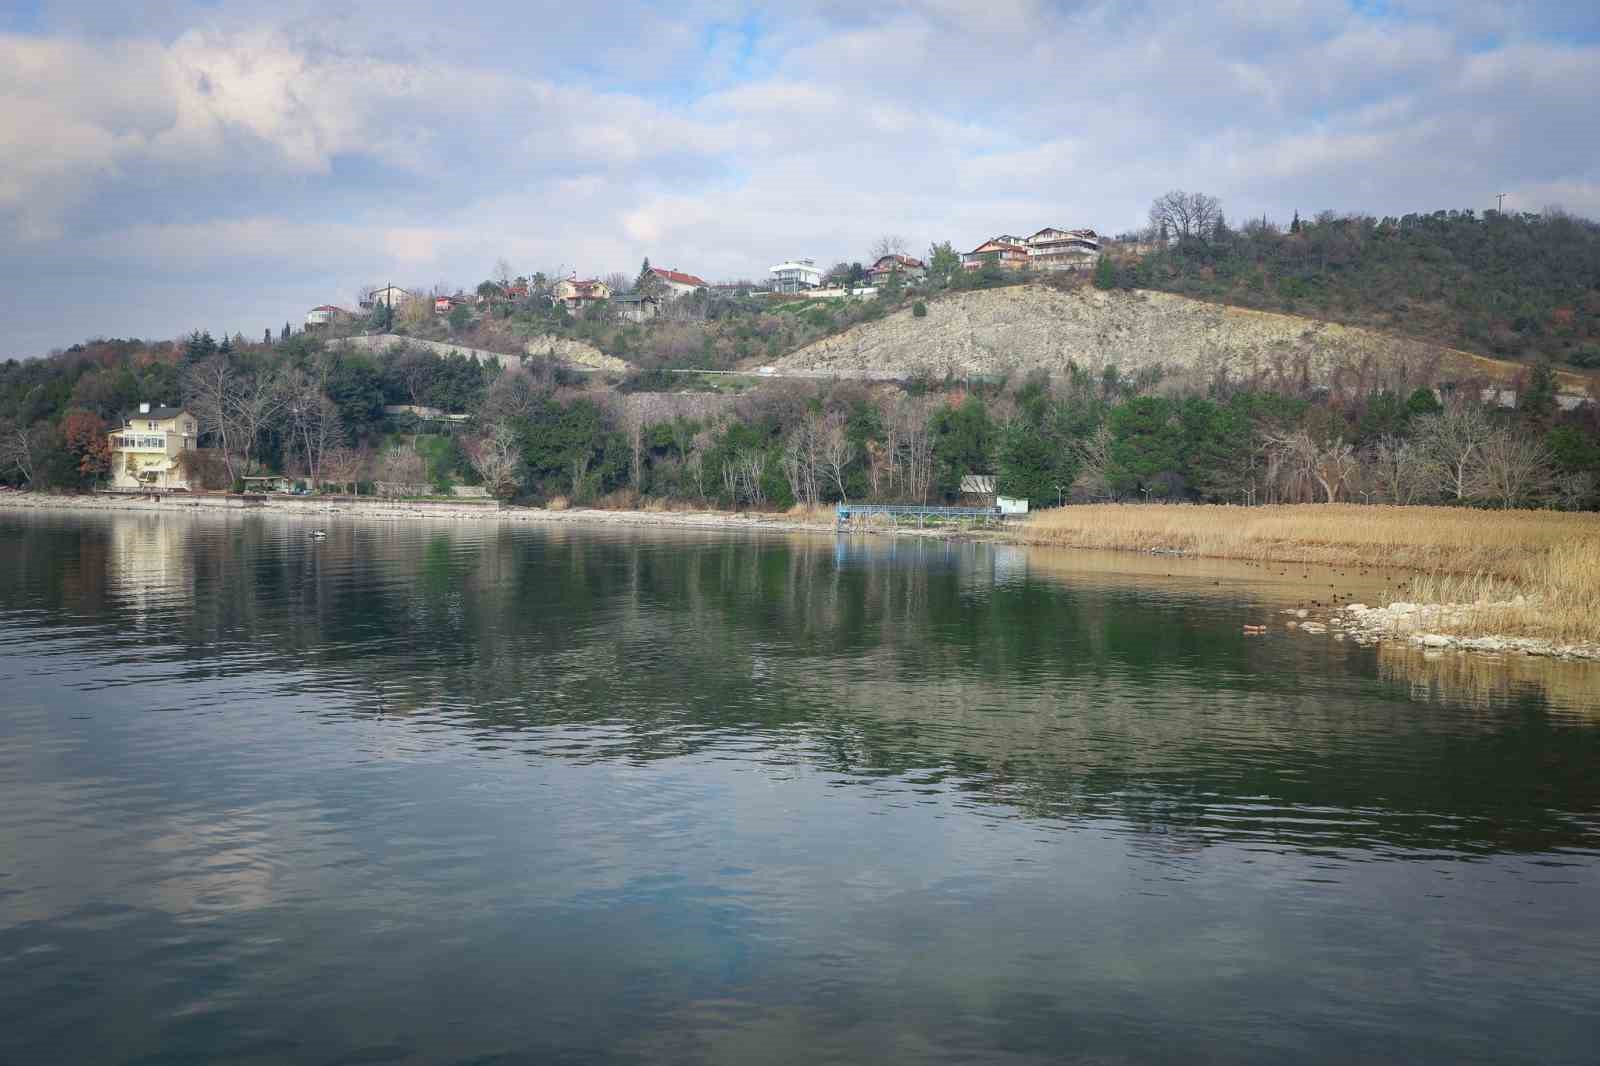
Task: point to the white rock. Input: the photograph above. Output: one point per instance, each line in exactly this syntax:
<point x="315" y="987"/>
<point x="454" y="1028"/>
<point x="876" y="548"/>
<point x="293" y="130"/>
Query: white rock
<point x="1434" y="640"/>
<point x="1355" y="608"/>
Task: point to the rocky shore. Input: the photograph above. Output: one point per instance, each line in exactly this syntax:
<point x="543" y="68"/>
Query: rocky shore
<point x="1428" y="626"/>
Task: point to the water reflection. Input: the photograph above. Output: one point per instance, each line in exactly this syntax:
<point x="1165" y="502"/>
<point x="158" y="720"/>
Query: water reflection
<point x="430" y="792"/>
<point x="950" y="666"/>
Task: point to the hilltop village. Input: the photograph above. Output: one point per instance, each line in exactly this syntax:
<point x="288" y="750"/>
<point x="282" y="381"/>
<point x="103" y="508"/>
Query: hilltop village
<point x="1428" y="358"/>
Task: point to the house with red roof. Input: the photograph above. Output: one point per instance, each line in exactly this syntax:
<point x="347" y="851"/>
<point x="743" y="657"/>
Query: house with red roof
<point x="575" y="295"/>
<point x="905" y="266"/>
<point x="677" y="283"/>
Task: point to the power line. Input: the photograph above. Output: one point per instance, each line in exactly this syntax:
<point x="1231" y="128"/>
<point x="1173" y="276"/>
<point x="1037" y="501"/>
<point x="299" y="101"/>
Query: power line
<point x="1500" y="197"/>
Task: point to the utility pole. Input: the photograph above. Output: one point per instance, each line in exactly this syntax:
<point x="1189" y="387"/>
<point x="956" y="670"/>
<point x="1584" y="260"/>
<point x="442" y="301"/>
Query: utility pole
<point x="1500" y="199"/>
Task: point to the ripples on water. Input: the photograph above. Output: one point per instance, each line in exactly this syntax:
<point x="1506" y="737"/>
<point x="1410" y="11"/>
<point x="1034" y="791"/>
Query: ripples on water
<point x="437" y="793"/>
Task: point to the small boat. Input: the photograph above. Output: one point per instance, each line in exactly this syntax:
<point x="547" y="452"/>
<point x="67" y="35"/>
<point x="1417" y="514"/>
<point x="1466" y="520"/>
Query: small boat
<point x="318" y="533"/>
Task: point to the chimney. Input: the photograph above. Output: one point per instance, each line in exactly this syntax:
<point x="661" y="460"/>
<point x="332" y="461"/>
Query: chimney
<point x="144" y="408"/>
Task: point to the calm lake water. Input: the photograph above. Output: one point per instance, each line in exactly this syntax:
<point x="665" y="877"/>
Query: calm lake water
<point x="471" y="793"/>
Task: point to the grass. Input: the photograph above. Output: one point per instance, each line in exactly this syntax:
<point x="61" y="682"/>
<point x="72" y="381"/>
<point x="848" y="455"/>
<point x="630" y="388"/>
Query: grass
<point x="1482" y="558"/>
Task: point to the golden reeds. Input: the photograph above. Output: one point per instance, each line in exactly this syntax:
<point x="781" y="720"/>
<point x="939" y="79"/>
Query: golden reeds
<point x="1483" y="558"/>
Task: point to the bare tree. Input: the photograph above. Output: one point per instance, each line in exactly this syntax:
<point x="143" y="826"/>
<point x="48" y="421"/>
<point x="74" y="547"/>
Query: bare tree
<point x="1094" y="464"/>
<point x="915" y="449"/>
<point x="1574" y="491"/>
<point x="1400" y="472"/>
<point x="497" y="457"/>
<point x="617" y="282"/>
<point x="1186" y="215"/>
<point x="752" y="465"/>
<point x="502" y="271"/>
<point x="210" y="390"/>
<point x="400" y="466"/>
<point x="20" y="447"/>
<point x="836" y="449"/>
<point x="1513" y="469"/>
<point x="313" y="421"/>
<point x="1452" y="441"/>
<point x="889" y="244"/>
<point x="344" y="467"/>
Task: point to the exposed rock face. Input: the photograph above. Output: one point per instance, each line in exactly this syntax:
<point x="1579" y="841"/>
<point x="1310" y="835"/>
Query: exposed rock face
<point x="1014" y="330"/>
<point x="574" y="353"/>
<point x="560" y="349"/>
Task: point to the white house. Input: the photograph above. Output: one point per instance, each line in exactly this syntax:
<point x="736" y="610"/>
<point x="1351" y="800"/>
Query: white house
<point x="675" y="282"/>
<point x="321" y="316"/>
<point x="388" y="296"/>
<point x="795" y="275"/>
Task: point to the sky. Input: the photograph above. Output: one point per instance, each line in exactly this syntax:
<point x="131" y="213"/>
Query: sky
<point x="173" y="165"/>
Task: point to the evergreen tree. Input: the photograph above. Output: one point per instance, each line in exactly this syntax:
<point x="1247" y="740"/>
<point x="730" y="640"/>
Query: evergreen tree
<point x="1105" y="273"/>
<point x="266" y="337"/>
<point x="1294" y="227"/>
<point x="285" y="334"/>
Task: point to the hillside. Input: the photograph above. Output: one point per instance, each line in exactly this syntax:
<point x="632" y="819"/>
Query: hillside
<point x="1513" y="286"/>
<point x="1011" y="331"/>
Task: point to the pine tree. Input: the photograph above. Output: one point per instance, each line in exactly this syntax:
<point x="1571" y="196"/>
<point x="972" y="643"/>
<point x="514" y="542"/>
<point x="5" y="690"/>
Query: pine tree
<point x="1105" y="273"/>
<point x="266" y="338"/>
<point x="285" y="334"/>
<point x="1294" y="227"/>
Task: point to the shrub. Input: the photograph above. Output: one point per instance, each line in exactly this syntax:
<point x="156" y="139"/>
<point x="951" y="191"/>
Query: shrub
<point x="919" y="310"/>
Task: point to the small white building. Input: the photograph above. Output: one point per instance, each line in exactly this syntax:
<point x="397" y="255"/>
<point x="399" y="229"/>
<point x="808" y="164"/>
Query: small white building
<point x="389" y="296"/>
<point x="795" y="275"/>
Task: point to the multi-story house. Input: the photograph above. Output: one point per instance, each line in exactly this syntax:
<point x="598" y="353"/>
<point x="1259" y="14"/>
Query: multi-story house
<point x="795" y="275"/>
<point x="1006" y="252"/>
<point x="146" y="451"/>
<point x="907" y="268"/>
<point x="1063" y="249"/>
<point x="576" y="295"/>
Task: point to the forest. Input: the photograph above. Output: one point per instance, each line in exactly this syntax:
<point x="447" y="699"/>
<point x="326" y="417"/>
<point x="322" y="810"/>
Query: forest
<point x="538" y="434"/>
<point x="1512" y="286"/>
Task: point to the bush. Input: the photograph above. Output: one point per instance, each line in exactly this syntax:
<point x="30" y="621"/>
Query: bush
<point x="919" y="310"/>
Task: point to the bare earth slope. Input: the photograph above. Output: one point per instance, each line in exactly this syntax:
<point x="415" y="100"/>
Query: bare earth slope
<point x="1017" y="329"/>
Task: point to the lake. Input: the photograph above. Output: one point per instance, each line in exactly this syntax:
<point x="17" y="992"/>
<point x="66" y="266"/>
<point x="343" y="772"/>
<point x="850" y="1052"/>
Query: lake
<point x="432" y="792"/>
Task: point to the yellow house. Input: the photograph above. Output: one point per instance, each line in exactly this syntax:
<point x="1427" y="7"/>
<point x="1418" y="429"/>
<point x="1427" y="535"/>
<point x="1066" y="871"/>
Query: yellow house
<point x="145" y="451"/>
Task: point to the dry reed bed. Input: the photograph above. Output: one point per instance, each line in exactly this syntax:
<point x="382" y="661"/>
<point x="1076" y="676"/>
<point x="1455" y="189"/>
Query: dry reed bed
<point x="1483" y="558"/>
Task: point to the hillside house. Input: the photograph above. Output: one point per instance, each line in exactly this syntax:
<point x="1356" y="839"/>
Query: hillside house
<point x="795" y="275"/>
<point x="145" y="451"/>
<point x="675" y="282"/>
<point x="392" y="296"/>
<point x="1053" y="249"/>
<point x="909" y="269"/>
<point x="636" y="306"/>
<point x="325" y="315"/>
<point x="576" y="295"/>
<point x="1007" y="253"/>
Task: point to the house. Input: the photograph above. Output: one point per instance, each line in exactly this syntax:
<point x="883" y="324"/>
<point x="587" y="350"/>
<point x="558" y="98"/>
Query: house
<point x="390" y="296"/>
<point x="676" y="283"/>
<point x="795" y="275"/>
<point x="907" y="268"/>
<point x="1053" y="249"/>
<point x="443" y="305"/>
<point x="636" y="306"/>
<point x="1008" y="253"/>
<point x="325" y="315"/>
<point x="145" y="452"/>
<point x="576" y="295"/>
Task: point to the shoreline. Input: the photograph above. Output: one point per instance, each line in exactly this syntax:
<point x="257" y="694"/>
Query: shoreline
<point x="1423" y="626"/>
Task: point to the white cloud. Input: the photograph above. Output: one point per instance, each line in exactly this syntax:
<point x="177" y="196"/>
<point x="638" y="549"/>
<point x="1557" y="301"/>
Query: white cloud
<point x="301" y="148"/>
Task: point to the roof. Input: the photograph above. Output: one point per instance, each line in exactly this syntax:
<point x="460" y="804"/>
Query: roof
<point x="998" y="244"/>
<point x="635" y="298"/>
<point x="155" y="412"/>
<point x="678" y="277"/>
<point x="904" y="261"/>
<point x="329" y="307"/>
<point x="585" y="289"/>
<point x="977" y="484"/>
